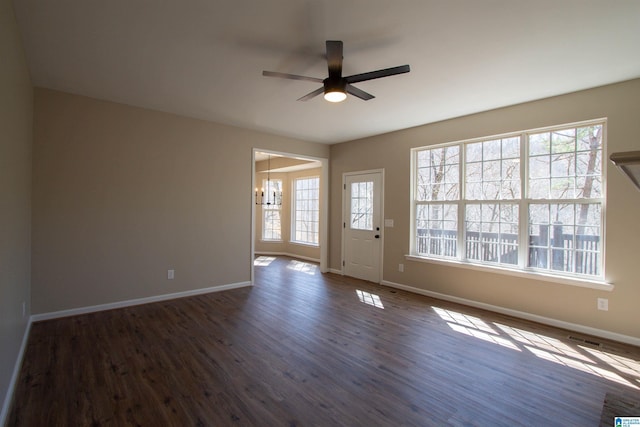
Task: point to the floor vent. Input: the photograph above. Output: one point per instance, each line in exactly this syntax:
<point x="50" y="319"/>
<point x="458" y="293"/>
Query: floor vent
<point x="585" y="341"/>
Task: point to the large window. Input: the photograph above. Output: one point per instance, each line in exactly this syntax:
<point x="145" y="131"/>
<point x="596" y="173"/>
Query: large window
<point x="529" y="201"/>
<point x="306" y="210"/>
<point x="271" y="213"/>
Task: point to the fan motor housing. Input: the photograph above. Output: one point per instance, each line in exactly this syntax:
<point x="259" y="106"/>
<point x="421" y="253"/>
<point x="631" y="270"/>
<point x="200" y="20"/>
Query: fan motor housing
<point x="334" y="85"/>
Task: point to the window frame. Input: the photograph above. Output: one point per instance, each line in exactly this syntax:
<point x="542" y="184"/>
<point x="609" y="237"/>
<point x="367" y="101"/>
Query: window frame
<point x="294" y="211"/>
<point x="522" y="268"/>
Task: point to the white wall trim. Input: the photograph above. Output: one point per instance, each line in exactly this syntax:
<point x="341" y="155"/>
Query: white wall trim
<point x="138" y="301"/>
<point x="8" y="399"/>
<point x="520" y="314"/>
<point x="336" y="271"/>
<point x="288" y="255"/>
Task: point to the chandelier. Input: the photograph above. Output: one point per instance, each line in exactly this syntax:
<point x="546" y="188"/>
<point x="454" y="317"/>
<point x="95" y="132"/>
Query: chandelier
<point x="274" y="195"/>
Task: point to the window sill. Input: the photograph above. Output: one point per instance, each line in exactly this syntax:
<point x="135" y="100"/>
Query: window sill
<point x="529" y="274"/>
<point x="271" y="241"/>
<point x="311" y="245"/>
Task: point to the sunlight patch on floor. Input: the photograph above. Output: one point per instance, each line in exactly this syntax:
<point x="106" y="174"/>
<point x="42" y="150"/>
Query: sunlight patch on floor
<point x="577" y="364"/>
<point x="604" y="364"/>
<point x="369" y="298"/>
<point x="483" y="336"/>
<point x="623" y="364"/>
<point x="303" y="267"/>
<point x="543" y="342"/>
<point x="264" y="261"/>
<point x="474" y="327"/>
<point x="464" y="320"/>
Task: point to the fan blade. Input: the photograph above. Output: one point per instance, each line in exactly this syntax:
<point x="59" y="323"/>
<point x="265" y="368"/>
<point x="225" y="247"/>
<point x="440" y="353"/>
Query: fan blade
<point x="334" y="58"/>
<point x="377" y="74"/>
<point x="359" y="93"/>
<point x="312" y="94"/>
<point x="290" y="76"/>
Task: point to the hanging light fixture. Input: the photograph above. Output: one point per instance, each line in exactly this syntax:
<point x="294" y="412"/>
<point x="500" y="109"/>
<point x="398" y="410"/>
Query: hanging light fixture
<point x="274" y="197"/>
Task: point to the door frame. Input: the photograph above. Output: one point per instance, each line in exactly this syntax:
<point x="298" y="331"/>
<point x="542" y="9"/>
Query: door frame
<point x="324" y="205"/>
<point x="345" y="203"/>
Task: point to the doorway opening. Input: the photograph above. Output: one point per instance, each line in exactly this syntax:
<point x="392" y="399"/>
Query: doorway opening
<point x="289" y="214"/>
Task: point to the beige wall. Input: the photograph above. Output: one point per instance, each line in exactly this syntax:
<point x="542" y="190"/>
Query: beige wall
<point x="122" y="194"/>
<point x="16" y="112"/>
<point x="285" y="246"/>
<point x="620" y="103"/>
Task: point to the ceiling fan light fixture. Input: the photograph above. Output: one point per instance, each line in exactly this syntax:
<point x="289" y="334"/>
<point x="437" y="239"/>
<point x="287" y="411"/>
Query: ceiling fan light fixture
<point x="334" y="90"/>
<point x="335" y="96"/>
<point x="335" y="87"/>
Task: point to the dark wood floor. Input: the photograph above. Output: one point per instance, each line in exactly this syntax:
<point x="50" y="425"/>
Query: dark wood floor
<point x="301" y="348"/>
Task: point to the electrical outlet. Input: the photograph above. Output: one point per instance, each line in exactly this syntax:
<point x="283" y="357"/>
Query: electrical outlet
<point x="603" y="304"/>
<point x="401" y="268"/>
<point x="171" y="274"/>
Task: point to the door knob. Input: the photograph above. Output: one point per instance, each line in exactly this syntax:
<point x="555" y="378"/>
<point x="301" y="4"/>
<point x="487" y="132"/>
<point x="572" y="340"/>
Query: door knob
<point x="377" y="236"/>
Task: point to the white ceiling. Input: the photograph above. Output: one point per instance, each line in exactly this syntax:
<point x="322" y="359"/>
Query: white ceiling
<point x="204" y="58"/>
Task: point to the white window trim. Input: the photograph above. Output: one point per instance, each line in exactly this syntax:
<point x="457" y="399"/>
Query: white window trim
<point x="521" y="270"/>
<point x="526" y="273"/>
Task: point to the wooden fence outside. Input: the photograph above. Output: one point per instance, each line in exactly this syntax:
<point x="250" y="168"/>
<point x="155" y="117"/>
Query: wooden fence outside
<point x="580" y="255"/>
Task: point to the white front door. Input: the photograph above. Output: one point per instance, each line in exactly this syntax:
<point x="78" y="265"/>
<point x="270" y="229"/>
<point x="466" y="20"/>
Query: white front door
<point x="362" y="225"/>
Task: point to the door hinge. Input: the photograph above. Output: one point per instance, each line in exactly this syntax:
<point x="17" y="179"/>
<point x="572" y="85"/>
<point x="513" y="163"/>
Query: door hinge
<point x="345" y="186"/>
<point x="343" y="263"/>
<point x="344" y="225"/>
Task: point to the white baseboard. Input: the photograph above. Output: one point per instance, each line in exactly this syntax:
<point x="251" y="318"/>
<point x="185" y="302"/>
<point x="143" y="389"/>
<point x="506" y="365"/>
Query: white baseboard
<point x="520" y="314"/>
<point x="138" y="301"/>
<point x="8" y="399"/>
<point x="287" y="254"/>
<point x="335" y="270"/>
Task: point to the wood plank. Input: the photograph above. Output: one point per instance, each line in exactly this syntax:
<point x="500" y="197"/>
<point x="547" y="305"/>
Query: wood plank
<point x="302" y="349"/>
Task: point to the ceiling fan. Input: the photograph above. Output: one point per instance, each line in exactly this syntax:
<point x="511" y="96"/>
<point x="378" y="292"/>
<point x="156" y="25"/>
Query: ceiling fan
<point x="335" y="87"/>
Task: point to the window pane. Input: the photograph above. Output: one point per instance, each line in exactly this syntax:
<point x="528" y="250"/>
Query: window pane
<point x="539" y="143"/>
<point x="539" y="167"/>
<point x="566" y="237"/>
<point x="589" y="138"/>
<point x="563" y="141"/>
<point x="511" y="148"/>
<point x="474" y="152"/>
<point x="437" y="229"/>
<point x="271" y="225"/>
<point x="362" y="205"/>
<point x="491" y="233"/>
<point x="496" y="167"/>
<point x="491" y="150"/>
<point x="573" y="161"/>
<point x="306" y="210"/>
<point x="271" y="220"/>
<point x="438" y="172"/>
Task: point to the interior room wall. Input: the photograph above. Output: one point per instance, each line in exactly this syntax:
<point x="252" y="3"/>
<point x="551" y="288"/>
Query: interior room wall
<point x="619" y="103"/>
<point x="122" y="194"/>
<point x="285" y="247"/>
<point x="16" y="115"/>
